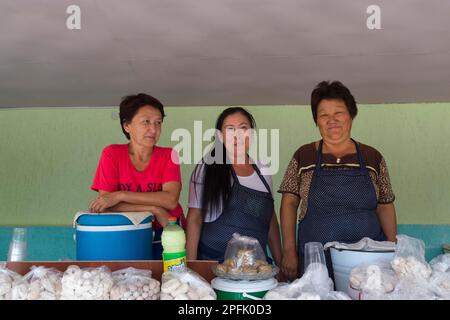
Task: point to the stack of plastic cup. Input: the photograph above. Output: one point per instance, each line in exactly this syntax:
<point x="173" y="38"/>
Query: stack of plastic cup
<point x="316" y="267"/>
<point x="18" y="246"/>
<point x="314" y="255"/>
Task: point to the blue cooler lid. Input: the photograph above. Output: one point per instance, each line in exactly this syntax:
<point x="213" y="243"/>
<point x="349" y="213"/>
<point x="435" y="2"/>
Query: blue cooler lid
<point x="107" y="220"/>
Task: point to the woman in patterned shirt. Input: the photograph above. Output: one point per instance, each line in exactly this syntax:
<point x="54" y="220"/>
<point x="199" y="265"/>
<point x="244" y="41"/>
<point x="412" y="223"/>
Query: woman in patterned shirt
<point x="341" y="186"/>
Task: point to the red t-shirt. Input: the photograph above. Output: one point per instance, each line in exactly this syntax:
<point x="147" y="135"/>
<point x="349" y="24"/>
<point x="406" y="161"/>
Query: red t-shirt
<point x="116" y="172"/>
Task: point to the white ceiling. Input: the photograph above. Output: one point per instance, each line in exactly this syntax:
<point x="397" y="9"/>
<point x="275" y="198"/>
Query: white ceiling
<point x="221" y="52"/>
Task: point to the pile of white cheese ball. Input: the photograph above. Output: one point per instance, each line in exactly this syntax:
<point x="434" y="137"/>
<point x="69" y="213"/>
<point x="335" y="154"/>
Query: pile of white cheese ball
<point x="8" y="279"/>
<point x="40" y="283"/>
<point x="185" y="286"/>
<point x="377" y="278"/>
<point x="100" y="283"/>
<point x="86" y="284"/>
<point x="405" y="266"/>
<point x="133" y="284"/>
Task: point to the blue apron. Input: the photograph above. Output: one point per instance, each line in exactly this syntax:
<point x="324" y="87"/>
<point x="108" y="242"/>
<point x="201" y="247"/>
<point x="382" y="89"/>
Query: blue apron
<point x="342" y="207"/>
<point x="246" y="211"/>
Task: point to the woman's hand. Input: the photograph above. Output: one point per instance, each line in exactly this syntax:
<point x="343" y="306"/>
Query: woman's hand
<point x="281" y="277"/>
<point x="104" y="201"/>
<point x="161" y="215"/>
<point x="289" y="264"/>
<point x="289" y="261"/>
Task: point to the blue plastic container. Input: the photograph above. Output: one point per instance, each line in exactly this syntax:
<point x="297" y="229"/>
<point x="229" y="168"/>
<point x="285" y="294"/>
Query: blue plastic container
<point x="113" y="237"/>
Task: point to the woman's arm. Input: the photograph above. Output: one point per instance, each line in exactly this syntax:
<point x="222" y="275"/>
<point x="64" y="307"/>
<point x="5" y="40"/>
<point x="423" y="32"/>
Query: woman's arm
<point x="388" y="221"/>
<point x="161" y="215"/>
<point x="288" y="217"/>
<point x="194" y="222"/>
<point x="166" y="199"/>
<point x="275" y="240"/>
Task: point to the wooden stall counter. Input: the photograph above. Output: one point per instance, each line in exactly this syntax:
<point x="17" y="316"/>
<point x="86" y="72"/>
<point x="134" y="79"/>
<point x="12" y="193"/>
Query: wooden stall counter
<point x="203" y="268"/>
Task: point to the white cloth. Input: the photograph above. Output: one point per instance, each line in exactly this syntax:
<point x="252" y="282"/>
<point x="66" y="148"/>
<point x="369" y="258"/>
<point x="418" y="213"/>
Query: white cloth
<point x="365" y="244"/>
<point x="135" y="217"/>
<point x="196" y="189"/>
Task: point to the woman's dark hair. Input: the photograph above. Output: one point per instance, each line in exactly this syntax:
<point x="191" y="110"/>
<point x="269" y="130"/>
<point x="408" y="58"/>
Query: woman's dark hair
<point x="131" y="104"/>
<point x="217" y="173"/>
<point x="334" y="90"/>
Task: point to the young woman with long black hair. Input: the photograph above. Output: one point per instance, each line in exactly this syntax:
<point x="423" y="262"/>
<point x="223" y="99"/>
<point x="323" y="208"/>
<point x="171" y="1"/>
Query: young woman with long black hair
<point x="228" y="194"/>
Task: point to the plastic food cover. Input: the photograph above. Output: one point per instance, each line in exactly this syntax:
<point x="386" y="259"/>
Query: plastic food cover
<point x="245" y="260"/>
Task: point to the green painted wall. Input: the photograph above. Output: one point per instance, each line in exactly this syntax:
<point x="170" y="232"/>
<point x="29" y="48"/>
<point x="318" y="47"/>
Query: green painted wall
<point x="48" y="156"/>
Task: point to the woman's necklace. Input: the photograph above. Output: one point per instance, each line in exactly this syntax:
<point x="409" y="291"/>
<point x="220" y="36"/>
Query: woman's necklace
<point x="338" y="159"/>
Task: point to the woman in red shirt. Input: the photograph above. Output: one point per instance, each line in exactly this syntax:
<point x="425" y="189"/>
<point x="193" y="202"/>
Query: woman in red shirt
<point x="140" y="176"/>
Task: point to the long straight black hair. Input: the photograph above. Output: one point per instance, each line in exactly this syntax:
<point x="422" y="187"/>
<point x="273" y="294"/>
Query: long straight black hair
<point x="217" y="173"/>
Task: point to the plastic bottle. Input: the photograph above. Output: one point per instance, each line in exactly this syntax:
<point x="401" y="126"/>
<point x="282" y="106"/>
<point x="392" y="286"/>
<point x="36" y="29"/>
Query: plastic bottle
<point x="18" y="246"/>
<point x="173" y="240"/>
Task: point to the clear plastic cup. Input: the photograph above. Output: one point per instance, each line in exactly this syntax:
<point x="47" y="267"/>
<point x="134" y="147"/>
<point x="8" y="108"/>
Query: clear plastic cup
<point x="19" y="234"/>
<point x="314" y="254"/>
<point x="18" y="246"/>
<point x="316" y="268"/>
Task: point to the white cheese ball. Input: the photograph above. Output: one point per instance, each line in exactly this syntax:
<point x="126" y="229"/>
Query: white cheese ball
<point x="136" y="288"/>
<point x="7" y="280"/>
<point x="185" y="286"/>
<point x="88" y="284"/>
<point x="372" y="278"/>
<point x="411" y="266"/>
<point x="178" y="289"/>
<point x="39" y="284"/>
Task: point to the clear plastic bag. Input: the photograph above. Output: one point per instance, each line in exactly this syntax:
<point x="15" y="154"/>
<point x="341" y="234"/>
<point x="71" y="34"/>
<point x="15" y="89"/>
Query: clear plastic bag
<point x="245" y="260"/>
<point x="8" y="279"/>
<point x="315" y="284"/>
<point x="126" y="273"/>
<point x="134" y="284"/>
<point x="297" y="290"/>
<point x="283" y="291"/>
<point x="87" y="283"/>
<point x="186" y="285"/>
<point x="441" y="263"/>
<point x="440" y="284"/>
<point x="373" y="279"/>
<point x="410" y="288"/>
<point x="410" y="258"/>
<point x="440" y="278"/>
<point x="365" y="244"/>
<point x="40" y="283"/>
<point x="337" y="295"/>
<point x="412" y="285"/>
<point x="316" y="279"/>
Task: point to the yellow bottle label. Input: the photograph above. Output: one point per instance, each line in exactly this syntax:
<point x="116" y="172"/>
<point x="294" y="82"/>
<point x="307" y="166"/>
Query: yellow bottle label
<point x="177" y="264"/>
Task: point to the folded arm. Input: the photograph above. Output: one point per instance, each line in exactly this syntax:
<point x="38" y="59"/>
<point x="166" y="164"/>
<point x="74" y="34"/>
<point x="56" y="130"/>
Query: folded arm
<point x="101" y="205"/>
<point x="167" y="198"/>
